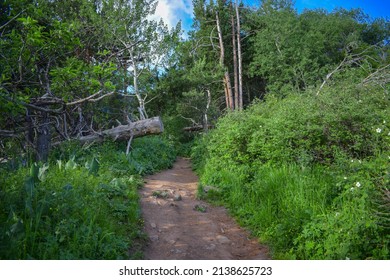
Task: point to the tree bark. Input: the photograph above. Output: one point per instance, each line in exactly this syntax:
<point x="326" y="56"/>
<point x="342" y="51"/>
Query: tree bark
<point x="226" y="80"/>
<point x="236" y="98"/>
<point x="206" y="118"/>
<point x="125" y="132"/>
<point x="141" y="101"/>
<point x="240" y="94"/>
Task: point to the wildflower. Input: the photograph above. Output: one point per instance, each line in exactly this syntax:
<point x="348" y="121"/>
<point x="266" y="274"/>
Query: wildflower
<point x="351" y="160"/>
<point x="345" y="178"/>
<point x="352" y="189"/>
<point x="358" y="184"/>
<point x="360" y="161"/>
<point x="384" y="122"/>
<point x="378" y="130"/>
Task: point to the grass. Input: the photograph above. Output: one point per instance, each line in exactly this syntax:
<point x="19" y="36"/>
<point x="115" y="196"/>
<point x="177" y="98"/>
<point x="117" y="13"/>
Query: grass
<point x="309" y="213"/>
<point x="84" y="204"/>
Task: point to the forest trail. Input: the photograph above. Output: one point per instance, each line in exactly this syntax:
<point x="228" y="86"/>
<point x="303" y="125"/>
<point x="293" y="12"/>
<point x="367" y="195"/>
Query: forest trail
<point x="181" y="227"/>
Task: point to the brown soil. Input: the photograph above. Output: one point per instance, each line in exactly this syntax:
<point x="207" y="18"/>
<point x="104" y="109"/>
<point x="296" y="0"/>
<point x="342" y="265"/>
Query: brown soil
<point x="181" y="227"/>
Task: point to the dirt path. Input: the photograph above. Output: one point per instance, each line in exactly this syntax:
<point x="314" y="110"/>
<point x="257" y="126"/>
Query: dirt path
<point x="183" y="228"/>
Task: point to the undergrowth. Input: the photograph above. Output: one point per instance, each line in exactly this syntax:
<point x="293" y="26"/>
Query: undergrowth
<point x="83" y="204"/>
<point x="307" y="174"/>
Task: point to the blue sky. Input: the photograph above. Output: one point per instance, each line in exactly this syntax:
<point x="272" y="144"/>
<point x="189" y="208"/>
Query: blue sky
<point x="375" y="8"/>
<point x="174" y="10"/>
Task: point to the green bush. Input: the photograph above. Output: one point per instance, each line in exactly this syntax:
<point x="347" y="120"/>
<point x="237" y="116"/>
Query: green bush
<point x="280" y="167"/>
<point x="357" y="225"/>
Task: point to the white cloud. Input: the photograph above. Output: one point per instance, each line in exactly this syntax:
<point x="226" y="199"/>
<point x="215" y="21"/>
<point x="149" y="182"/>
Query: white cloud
<point x="171" y="11"/>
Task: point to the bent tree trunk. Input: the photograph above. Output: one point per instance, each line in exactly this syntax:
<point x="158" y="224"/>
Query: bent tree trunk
<point x="125" y="132"/>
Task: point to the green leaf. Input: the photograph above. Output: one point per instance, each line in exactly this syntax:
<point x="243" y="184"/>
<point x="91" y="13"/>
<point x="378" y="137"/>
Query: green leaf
<point x="71" y="164"/>
<point x="34" y="171"/>
<point x="94" y="166"/>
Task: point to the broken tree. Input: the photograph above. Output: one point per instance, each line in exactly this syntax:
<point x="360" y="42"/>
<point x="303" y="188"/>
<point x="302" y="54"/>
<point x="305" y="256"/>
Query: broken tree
<point x="126" y="132"/>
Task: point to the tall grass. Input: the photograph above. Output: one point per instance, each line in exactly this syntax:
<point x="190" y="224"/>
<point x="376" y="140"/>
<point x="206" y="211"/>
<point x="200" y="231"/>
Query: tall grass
<point x="278" y="201"/>
<point x="82" y="205"/>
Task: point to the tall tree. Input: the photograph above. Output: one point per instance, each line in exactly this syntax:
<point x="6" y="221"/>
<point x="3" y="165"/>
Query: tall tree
<point x="235" y="64"/>
<point x="239" y="51"/>
<point x="226" y="79"/>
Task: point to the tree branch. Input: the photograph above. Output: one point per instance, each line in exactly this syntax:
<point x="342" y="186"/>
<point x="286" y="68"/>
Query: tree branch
<point x="90" y="98"/>
<point x="12" y="19"/>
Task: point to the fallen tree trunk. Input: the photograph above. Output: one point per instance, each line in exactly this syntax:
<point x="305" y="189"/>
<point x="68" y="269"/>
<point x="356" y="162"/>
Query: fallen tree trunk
<point x="125" y="132"/>
<point x="196" y="128"/>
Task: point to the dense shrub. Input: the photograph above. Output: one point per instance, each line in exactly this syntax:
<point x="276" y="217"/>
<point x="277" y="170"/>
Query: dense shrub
<point x="357" y="224"/>
<point x="281" y="164"/>
<point x="82" y="206"/>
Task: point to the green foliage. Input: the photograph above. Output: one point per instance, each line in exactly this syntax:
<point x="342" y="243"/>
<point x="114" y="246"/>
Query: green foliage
<point x="83" y="205"/>
<point x="344" y="121"/>
<point x="153" y="154"/>
<point x="69" y="61"/>
<point x="294" y="51"/>
<point x="280" y="167"/>
<point x="357" y="224"/>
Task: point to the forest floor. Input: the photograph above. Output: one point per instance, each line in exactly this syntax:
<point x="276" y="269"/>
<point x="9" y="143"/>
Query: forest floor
<point x="181" y="227"/>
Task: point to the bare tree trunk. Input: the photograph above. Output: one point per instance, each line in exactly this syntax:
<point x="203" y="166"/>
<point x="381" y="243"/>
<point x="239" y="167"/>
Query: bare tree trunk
<point x="206" y="119"/>
<point x="239" y="58"/>
<point x="226" y="80"/>
<point x="126" y="132"/>
<point x="141" y="101"/>
<point x="236" y="103"/>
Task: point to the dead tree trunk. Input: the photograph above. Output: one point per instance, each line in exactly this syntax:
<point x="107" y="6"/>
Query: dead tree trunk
<point x="125" y="132"/>
<point x="235" y="67"/>
<point x="141" y="101"/>
<point x="240" y="94"/>
<point x="226" y="79"/>
<point x="206" y="118"/>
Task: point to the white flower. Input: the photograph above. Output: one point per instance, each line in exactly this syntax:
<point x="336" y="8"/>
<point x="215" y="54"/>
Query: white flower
<point x="360" y="161"/>
<point x="351" y="160"/>
<point x="358" y="184"/>
<point x="352" y="189"/>
<point x="378" y="130"/>
<point x="384" y="122"/>
<point x="345" y="178"/>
